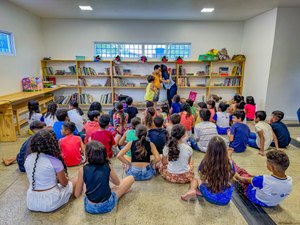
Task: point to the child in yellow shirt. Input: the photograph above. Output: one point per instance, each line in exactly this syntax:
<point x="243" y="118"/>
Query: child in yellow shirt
<point x="157" y="80"/>
<point x="150" y="90"/>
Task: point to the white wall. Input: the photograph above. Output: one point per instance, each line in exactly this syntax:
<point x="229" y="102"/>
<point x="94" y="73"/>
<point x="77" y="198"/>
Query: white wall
<point x="66" y="38"/>
<point x="27" y="32"/>
<point x="257" y="45"/>
<point x="284" y="80"/>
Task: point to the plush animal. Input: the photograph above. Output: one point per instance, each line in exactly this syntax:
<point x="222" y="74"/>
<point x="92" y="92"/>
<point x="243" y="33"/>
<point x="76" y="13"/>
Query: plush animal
<point x="213" y="52"/>
<point x="164" y="59"/>
<point x="223" y="54"/>
<point x="117" y="59"/>
<point x="97" y="58"/>
<point x="179" y="60"/>
<point x="143" y="59"/>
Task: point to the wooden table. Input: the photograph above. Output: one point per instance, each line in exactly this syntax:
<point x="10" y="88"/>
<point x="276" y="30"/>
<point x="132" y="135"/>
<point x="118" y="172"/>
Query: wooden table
<point x="7" y="126"/>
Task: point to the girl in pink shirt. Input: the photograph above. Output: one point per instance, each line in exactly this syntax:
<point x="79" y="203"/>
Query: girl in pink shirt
<point x="187" y="119"/>
<point x="250" y="108"/>
<point x="211" y="106"/>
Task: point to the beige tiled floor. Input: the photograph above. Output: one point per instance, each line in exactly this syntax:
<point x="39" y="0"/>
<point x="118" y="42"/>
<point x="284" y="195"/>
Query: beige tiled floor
<point x="152" y="202"/>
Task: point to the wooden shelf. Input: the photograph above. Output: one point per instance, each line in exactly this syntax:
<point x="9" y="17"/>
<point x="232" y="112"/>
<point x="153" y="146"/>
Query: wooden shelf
<point x="69" y="86"/>
<point x="126" y="87"/>
<point x="88" y="105"/>
<point x="227" y="61"/>
<point x="61" y="76"/>
<point x="94" y="76"/>
<point x="96" y="87"/>
<point x="91" y="60"/>
<point x="61" y="60"/>
<point x="195" y="61"/>
<point x="193" y="76"/>
<point x="224" y="86"/>
<point x="130" y="76"/>
<point x="229" y="76"/>
<point x="193" y="87"/>
<point x="150" y="61"/>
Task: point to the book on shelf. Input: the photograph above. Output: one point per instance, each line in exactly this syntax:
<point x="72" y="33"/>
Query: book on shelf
<point x="64" y="100"/>
<point x="106" y="98"/>
<point x="236" y="71"/>
<point x="82" y="82"/>
<point x="182" y="70"/>
<point x="86" y="71"/>
<point x="72" y="69"/>
<point x="223" y="71"/>
<point x="119" y="82"/>
<point x="171" y="71"/>
<point x="127" y="72"/>
<point x="108" y="82"/>
<point x="86" y="99"/>
<point x="48" y="70"/>
<point x="183" y="81"/>
<point x="232" y="82"/>
<point x="117" y="70"/>
<point x="107" y="70"/>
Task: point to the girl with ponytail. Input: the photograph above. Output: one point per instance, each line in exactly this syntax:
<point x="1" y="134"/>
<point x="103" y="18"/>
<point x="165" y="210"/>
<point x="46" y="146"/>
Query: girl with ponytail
<point x="49" y="186"/>
<point x="177" y="165"/>
<point x="149" y="118"/>
<point x="120" y="119"/>
<point x="140" y="166"/>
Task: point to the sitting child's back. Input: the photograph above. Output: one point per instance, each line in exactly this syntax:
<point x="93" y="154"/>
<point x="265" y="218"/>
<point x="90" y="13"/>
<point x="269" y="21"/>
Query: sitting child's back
<point x="158" y="135"/>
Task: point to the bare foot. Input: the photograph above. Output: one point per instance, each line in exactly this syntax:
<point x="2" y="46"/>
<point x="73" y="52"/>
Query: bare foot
<point x="190" y="194"/>
<point x="261" y="153"/>
<point x="8" y="162"/>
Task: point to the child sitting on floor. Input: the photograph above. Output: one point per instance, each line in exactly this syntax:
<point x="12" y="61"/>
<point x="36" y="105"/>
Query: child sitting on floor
<point x="174" y="119"/>
<point x="177" y="165"/>
<point x="96" y="106"/>
<point x="140" y="166"/>
<point x="96" y="175"/>
<point x="75" y="115"/>
<point x="62" y="117"/>
<point x="268" y="190"/>
<point x="130" y="135"/>
<point x="200" y="105"/>
<point x="120" y="121"/>
<point x="72" y="147"/>
<point x="215" y="183"/>
<point x="92" y="125"/>
<point x="211" y="105"/>
<point x="222" y="118"/>
<point x="158" y="135"/>
<point x="49" y="186"/>
<point x="250" y="108"/>
<point x="175" y="107"/>
<point x="130" y="110"/>
<point x="50" y="117"/>
<point x="149" y="118"/>
<point x="216" y="99"/>
<point x="34" y="113"/>
<point x="280" y="130"/>
<point x="104" y="136"/>
<point x="165" y="113"/>
<point x="239" y="133"/>
<point x="35" y="126"/>
<point x="265" y="134"/>
<point x="235" y="101"/>
<point x="205" y="130"/>
<point x="193" y="108"/>
<point x="187" y="119"/>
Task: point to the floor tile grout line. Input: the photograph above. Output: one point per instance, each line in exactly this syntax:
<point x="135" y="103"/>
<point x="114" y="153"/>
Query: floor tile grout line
<point x="9" y="186"/>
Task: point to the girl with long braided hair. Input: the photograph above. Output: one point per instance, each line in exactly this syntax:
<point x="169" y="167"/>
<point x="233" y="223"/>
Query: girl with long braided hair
<point x="50" y="116"/>
<point x="49" y="186"/>
<point x="177" y="165"/>
<point x="140" y="166"/>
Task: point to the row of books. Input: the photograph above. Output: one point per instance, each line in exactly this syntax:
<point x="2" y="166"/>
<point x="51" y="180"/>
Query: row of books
<point x="224" y="71"/>
<point x="66" y="99"/>
<point x="182" y="71"/>
<point x="48" y="70"/>
<point x="86" y="71"/>
<point x="232" y="82"/>
<point x="183" y="82"/>
<point x="86" y="99"/>
<point x="116" y="70"/>
<point x="106" y="98"/>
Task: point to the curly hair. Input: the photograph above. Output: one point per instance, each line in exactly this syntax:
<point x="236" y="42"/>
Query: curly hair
<point x="45" y="142"/>
<point x="217" y="169"/>
<point x="279" y="159"/>
<point x="141" y="133"/>
<point x="51" y="110"/>
<point x="176" y="134"/>
<point x="149" y="116"/>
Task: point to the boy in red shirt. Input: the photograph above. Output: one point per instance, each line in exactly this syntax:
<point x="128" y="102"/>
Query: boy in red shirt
<point x="92" y="125"/>
<point x="104" y="136"/>
<point x="72" y="147"/>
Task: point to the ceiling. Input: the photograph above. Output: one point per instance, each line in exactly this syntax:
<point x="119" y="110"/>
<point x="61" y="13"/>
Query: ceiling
<point x="234" y="10"/>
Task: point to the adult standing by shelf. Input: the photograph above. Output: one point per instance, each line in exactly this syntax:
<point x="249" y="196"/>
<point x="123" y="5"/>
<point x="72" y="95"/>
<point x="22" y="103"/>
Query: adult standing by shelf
<point x="168" y="83"/>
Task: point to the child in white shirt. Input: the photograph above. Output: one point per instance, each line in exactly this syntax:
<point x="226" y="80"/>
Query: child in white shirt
<point x="75" y="115"/>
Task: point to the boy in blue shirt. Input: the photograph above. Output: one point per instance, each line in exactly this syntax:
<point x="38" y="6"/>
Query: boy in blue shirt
<point x="268" y="190"/>
<point x="62" y="117"/>
<point x="158" y="135"/>
<point x="35" y="126"/>
<point x="239" y="132"/>
<point x="280" y="130"/>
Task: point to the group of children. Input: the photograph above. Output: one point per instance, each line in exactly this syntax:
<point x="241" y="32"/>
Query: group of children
<point x="160" y="141"/>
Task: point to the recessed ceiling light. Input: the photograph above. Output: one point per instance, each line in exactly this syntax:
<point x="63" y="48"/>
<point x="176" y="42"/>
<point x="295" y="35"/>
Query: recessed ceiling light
<point x="207" y="10"/>
<point x="85" y="7"/>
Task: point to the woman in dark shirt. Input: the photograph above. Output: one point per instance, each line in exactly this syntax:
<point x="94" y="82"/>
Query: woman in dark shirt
<point x="168" y="83"/>
<point x="140" y="167"/>
<point x="99" y="197"/>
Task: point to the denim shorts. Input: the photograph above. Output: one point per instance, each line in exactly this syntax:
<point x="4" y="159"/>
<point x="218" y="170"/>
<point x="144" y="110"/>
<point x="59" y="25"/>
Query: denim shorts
<point x="101" y="207"/>
<point x="145" y="173"/>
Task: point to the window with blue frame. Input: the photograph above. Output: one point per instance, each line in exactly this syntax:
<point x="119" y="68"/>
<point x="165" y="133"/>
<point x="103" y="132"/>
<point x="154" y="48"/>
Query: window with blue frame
<point x="7" y="46"/>
<point x="136" y="50"/>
